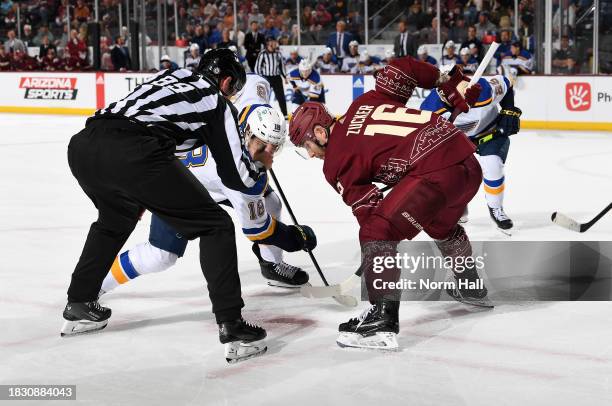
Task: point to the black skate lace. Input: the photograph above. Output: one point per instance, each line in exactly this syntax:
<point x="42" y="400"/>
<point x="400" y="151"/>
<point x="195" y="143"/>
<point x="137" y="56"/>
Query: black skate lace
<point x="500" y="214"/>
<point x="286" y="270"/>
<point x="249" y="324"/>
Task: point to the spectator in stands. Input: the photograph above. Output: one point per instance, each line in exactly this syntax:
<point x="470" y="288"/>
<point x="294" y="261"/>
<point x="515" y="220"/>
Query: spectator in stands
<point x="50" y="61"/>
<point x="193" y="58"/>
<point x="43" y="31"/>
<point x="228" y="19"/>
<point x="389" y="55"/>
<point x="424" y="56"/>
<point x="199" y="37"/>
<point x="63" y="41"/>
<point x="468" y="62"/>
<point x="339" y="41"/>
<point x="226" y="42"/>
<point x="416" y="19"/>
<point x="77" y="48"/>
<point x="5" y="60"/>
<point x="44" y="47"/>
<point x="293" y="61"/>
<point x="484" y="26"/>
<point x="564" y="58"/>
<point x="215" y="35"/>
<point x="473" y="43"/>
<point x="28" y="37"/>
<point x="350" y="62"/>
<point x="13" y="44"/>
<point x="327" y="63"/>
<point x="23" y="62"/>
<point x="505" y="43"/>
<point x="120" y="55"/>
<point x="449" y="56"/>
<point x="10" y="20"/>
<point x="355" y="25"/>
<point x="254" y="41"/>
<point x="270" y="30"/>
<point x="429" y="35"/>
<point x="71" y="63"/>
<point x="458" y="31"/>
<point x="81" y="12"/>
<point x="404" y="43"/>
<point x="338" y="11"/>
<point x="274" y="18"/>
<point x="520" y="60"/>
<point x="166" y="63"/>
<point x="5" y="7"/>
<point x="255" y="15"/>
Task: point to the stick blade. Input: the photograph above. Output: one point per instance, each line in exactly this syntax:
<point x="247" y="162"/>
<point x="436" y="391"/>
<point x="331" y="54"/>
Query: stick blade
<point x="564" y="221"/>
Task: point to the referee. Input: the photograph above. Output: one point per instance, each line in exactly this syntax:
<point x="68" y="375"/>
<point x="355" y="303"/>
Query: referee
<point x="270" y="65"/>
<point x="124" y="161"/>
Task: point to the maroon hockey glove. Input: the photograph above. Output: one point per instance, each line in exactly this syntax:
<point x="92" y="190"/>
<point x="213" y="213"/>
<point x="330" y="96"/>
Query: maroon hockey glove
<point x="449" y="91"/>
<point x="472" y="93"/>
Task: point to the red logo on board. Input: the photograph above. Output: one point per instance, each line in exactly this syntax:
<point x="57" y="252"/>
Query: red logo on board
<point x="578" y="96"/>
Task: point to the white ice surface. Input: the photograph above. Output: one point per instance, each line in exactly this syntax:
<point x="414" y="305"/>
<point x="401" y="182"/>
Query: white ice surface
<point x="161" y="346"/>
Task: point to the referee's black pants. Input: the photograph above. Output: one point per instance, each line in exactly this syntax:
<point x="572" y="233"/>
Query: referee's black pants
<point x="276" y="83"/>
<point x="124" y="169"/>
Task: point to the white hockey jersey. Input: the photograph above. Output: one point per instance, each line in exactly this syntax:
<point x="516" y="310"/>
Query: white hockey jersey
<point x="255" y="220"/>
<point x="483" y="115"/>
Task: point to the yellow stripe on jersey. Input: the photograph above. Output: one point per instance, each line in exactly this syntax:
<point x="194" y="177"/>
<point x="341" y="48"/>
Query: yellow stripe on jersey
<point x="266" y="233"/>
<point x="118" y="272"/>
<point x="245" y="113"/>
<point x="484" y="102"/>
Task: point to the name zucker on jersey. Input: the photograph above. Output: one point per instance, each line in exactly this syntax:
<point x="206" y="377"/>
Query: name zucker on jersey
<point x="359" y="118"/>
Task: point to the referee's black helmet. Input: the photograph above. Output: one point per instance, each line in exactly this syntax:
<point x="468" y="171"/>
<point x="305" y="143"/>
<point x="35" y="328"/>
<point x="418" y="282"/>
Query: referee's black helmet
<point x="219" y="63"/>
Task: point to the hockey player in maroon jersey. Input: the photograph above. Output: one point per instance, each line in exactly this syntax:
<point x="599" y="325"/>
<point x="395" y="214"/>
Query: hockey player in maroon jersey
<point x="428" y="162"/>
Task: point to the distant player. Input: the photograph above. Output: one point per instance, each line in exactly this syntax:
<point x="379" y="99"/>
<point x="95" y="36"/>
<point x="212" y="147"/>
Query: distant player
<point x="327" y="62"/>
<point x="425" y="57"/>
<point x="489" y="127"/>
<point x="520" y="61"/>
<point x="259" y="208"/>
<point x="306" y="83"/>
<point x="469" y="63"/>
<point x="449" y="56"/>
<point x="428" y="162"/>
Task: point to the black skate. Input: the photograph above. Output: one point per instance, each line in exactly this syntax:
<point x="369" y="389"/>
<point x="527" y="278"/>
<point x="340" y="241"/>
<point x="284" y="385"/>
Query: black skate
<point x="84" y="317"/>
<point x="282" y="274"/>
<point x="242" y="340"/>
<point x="469" y="288"/>
<point x="375" y="328"/>
<point x="503" y="222"/>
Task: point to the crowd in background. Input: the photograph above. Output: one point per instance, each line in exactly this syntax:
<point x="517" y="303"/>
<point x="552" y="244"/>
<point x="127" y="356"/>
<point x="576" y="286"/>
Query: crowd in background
<point x="466" y="26"/>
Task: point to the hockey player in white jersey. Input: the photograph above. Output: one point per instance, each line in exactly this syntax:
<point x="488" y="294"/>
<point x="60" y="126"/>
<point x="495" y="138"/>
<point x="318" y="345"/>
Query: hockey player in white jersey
<point x="258" y="209"/>
<point x="489" y="128"/>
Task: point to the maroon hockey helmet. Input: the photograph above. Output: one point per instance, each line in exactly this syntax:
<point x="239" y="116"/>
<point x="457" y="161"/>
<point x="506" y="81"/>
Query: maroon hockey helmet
<point x="305" y="118"/>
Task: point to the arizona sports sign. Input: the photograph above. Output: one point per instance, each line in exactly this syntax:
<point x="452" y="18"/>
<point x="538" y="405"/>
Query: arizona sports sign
<point x="49" y="88"/>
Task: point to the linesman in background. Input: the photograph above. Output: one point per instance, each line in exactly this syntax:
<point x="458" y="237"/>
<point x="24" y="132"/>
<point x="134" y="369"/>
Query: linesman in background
<point x="270" y="65"/>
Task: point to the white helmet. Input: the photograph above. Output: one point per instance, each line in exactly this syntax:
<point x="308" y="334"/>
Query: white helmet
<point x="305" y="68"/>
<point x="422" y="50"/>
<point x="268" y="125"/>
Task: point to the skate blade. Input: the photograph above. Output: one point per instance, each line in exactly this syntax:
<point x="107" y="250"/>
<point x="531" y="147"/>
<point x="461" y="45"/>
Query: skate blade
<point x="239" y="351"/>
<point x="386" y="341"/>
<point x="507" y="232"/>
<point x="276" y="284"/>
<point x="78" y="327"/>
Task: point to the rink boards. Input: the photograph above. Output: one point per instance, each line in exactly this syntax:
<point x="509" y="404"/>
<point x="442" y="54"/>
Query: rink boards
<point x="548" y="102"/>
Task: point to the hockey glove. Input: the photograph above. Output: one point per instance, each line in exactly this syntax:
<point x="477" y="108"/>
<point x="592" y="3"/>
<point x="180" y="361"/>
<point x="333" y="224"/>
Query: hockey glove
<point x="305" y="236"/>
<point x="509" y="121"/>
<point x="472" y="93"/>
<point x="449" y="91"/>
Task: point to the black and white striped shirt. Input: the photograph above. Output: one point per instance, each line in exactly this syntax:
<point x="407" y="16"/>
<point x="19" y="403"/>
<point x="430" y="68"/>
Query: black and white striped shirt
<point x="270" y="64"/>
<point x="184" y="106"/>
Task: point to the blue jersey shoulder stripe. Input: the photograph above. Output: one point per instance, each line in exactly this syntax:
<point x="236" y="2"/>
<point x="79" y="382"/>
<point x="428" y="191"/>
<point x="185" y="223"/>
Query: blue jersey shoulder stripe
<point x="259" y="187"/>
<point x="433" y="102"/>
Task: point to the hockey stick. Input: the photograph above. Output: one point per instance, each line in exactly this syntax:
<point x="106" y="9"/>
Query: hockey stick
<point x="571" y="224"/>
<point x="345" y="300"/>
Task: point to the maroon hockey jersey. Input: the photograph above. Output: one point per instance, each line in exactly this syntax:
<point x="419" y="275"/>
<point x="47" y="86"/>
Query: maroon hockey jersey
<point x="380" y="140"/>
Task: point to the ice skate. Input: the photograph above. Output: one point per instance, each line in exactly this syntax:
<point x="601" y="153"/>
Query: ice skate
<point x="469" y="289"/>
<point x="375" y="328"/>
<point x="503" y="222"/>
<point x="242" y="340"/>
<point x="85" y="317"/>
<point x="281" y="274"/>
